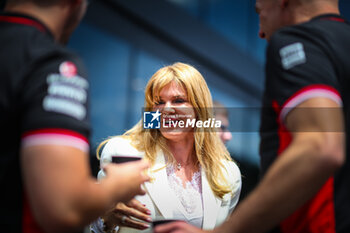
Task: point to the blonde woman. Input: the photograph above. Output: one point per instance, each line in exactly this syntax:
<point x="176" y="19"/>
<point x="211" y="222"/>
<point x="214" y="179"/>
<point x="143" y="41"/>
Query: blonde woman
<point x="193" y="176"/>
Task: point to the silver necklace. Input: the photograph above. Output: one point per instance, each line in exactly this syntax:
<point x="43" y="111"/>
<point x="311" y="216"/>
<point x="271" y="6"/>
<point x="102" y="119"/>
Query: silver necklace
<point x="178" y="166"/>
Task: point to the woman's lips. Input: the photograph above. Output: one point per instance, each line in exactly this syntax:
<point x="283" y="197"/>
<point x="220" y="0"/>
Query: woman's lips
<point x="171" y="119"/>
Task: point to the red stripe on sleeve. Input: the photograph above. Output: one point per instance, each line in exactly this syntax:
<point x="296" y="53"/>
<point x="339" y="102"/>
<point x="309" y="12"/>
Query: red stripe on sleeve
<point x="55" y="131"/>
<point x="306" y="93"/>
<point x="309" y="88"/>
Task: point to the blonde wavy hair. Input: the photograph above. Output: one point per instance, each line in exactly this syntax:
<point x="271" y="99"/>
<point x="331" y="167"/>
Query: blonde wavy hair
<point x="208" y="147"/>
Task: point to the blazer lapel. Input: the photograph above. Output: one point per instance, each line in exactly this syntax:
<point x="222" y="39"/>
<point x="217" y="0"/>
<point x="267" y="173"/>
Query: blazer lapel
<point x="211" y="204"/>
<point x="158" y="189"/>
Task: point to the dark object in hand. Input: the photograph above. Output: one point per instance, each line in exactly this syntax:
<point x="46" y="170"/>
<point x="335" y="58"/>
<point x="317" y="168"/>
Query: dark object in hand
<point x="163" y="221"/>
<point x="124" y="159"/>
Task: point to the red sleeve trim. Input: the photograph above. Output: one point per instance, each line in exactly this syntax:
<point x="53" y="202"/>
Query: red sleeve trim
<point x="61" y="137"/>
<point x="56" y="131"/>
<point x="309" y="92"/>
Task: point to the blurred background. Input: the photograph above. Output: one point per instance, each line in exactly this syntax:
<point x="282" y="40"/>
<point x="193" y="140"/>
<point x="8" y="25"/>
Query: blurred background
<point x="123" y="42"/>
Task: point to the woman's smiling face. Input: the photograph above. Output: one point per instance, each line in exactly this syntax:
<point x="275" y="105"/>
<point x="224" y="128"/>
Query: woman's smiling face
<point x="175" y="107"/>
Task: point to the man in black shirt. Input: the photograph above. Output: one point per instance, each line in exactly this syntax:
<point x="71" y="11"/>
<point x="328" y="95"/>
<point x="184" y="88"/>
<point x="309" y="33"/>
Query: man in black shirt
<point x="44" y="173"/>
<point x="305" y="188"/>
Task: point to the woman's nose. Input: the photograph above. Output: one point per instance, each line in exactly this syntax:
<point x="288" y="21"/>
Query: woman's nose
<point x="227" y="136"/>
<point x="168" y="107"/>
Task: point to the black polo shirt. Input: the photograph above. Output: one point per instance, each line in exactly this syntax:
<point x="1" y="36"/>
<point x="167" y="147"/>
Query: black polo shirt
<point x="307" y="61"/>
<point x="43" y="100"/>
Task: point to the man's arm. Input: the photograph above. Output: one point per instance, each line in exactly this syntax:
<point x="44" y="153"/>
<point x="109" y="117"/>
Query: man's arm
<point x="315" y="153"/>
<point x="62" y="194"/>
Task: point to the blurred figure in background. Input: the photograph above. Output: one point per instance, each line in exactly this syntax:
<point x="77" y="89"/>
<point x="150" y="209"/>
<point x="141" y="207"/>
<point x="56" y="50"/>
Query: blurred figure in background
<point x="193" y="176"/>
<point x="221" y="114"/>
<point x="45" y="180"/>
<point x="249" y="170"/>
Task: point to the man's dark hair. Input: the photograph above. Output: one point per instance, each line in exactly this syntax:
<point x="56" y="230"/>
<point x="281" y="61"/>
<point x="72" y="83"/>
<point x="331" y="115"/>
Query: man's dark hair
<point x="38" y="2"/>
<point x="2" y="4"/>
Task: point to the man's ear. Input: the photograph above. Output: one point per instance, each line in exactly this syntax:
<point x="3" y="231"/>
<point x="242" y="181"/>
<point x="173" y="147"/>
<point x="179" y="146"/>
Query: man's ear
<point x="284" y="4"/>
<point x="76" y="2"/>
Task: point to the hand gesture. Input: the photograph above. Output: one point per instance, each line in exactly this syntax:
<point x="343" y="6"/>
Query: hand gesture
<point x="132" y="214"/>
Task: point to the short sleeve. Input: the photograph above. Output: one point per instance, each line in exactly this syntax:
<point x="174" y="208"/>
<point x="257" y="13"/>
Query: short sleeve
<point x="298" y="68"/>
<point x="54" y="102"/>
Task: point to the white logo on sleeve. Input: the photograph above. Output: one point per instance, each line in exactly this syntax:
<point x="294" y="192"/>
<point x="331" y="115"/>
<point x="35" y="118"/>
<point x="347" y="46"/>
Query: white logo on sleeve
<point x="67" y="92"/>
<point x="68" y="69"/>
<point x="292" y="55"/>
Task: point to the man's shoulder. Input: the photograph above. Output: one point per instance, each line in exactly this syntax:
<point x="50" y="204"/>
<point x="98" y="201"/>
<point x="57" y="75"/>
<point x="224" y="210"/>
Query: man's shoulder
<point x="289" y="34"/>
<point x="292" y="40"/>
<point x="44" y="47"/>
<point x="35" y="49"/>
<point x="310" y="31"/>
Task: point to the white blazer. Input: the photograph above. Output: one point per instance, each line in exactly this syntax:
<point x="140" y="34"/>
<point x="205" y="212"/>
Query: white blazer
<point x="161" y="200"/>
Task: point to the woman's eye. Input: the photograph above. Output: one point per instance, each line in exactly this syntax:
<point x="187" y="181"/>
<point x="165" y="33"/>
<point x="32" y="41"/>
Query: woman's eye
<point x="180" y="101"/>
<point x="159" y="103"/>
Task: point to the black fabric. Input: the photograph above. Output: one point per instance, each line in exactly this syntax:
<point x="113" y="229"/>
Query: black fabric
<point x="326" y="43"/>
<point x="29" y="56"/>
<point x="2" y="4"/>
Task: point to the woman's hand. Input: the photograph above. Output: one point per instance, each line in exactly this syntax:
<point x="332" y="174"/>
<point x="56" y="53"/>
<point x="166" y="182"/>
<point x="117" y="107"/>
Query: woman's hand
<point x="122" y="213"/>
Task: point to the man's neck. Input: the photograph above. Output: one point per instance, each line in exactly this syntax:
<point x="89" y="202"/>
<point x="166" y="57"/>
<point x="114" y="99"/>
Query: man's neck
<point x="51" y="17"/>
<point x="306" y="13"/>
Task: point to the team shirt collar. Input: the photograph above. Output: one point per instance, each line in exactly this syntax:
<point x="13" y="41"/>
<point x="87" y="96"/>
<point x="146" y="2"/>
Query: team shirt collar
<point x="23" y="19"/>
<point x="331" y="17"/>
